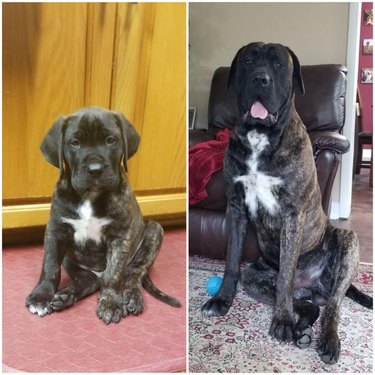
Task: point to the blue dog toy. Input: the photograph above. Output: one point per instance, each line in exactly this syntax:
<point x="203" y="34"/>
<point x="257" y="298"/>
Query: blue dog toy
<point x="213" y="285"/>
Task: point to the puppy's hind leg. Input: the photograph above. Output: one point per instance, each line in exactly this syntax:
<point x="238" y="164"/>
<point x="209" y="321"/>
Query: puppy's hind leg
<point x="84" y="283"/>
<point x="137" y="270"/>
<point x="259" y="281"/>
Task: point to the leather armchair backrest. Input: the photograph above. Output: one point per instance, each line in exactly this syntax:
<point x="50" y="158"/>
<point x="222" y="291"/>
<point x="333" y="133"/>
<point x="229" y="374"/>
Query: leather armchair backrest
<point x="322" y="108"/>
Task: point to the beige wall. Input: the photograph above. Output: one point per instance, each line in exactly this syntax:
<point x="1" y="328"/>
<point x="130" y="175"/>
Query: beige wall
<point x="316" y="32"/>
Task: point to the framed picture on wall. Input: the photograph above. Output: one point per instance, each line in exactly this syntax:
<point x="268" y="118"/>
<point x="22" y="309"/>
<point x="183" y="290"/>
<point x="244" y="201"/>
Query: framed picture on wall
<point x="367" y="46"/>
<point x="366" y="75"/>
<point x="192" y="114"/>
<point x="367" y="17"/>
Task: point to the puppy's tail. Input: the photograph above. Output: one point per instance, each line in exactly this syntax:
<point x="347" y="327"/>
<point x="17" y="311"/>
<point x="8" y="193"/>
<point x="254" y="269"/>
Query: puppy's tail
<point x="155" y="292"/>
<point x="359" y="297"/>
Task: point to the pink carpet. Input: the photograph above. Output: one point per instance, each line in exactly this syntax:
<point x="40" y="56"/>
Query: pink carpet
<point x="75" y="340"/>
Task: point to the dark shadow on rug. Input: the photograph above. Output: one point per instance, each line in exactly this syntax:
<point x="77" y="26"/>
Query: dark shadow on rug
<point x="239" y="341"/>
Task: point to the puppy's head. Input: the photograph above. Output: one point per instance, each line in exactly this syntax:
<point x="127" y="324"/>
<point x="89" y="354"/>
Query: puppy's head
<point x="264" y="78"/>
<point x="89" y="146"/>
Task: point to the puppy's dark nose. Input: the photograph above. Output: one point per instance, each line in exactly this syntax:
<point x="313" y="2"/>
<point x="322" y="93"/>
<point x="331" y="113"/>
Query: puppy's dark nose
<point x="95" y="169"/>
<point x="262" y="79"/>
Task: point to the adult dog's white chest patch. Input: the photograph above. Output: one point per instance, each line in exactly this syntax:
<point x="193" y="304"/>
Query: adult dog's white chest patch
<point x="87" y="226"/>
<point x="259" y="187"/>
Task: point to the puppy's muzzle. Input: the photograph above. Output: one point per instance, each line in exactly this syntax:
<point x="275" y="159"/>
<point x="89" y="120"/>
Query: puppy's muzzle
<point x="95" y="169"/>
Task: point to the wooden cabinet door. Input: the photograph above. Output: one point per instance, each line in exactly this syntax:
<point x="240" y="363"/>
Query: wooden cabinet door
<point x="43" y="76"/>
<point x="150" y="86"/>
<point x="58" y="57"/>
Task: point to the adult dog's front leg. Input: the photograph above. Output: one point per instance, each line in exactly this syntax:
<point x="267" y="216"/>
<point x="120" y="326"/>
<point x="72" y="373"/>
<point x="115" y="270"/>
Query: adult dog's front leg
<point x="283" y="321"/>
<point x="111" y="307"/>
<point x="237" y="223"/>
<point x="39" y="300"/>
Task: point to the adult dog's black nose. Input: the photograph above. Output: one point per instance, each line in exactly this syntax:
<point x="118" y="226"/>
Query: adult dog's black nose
<point x="261" y="79"/>
<point x="95" y="169"/>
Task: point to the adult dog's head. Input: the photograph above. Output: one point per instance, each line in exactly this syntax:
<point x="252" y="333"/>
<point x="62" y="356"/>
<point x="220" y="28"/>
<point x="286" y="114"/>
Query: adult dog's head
<point x="264" y="78"/>
<point x="88" y="147"/>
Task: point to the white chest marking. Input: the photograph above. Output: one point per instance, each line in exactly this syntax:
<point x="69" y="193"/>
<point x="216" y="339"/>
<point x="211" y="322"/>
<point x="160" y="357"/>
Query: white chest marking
<point x="87" y="226"/>
<point x="259" y="187"/>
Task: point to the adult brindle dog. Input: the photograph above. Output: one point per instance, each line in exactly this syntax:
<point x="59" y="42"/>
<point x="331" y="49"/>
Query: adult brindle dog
<point x="96" y="229"/>
<point x="271" y="180"/>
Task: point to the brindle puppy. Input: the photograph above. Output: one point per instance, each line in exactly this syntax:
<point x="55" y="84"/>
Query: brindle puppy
<point x="96" y="229"/>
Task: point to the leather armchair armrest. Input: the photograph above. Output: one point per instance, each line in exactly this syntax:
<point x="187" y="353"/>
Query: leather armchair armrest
<point x="327" y="140"/>
<point x="198" y="136"/>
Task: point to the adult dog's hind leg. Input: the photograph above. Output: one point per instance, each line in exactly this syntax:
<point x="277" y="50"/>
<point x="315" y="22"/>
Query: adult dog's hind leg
<point x="138" y="267"/>
<point x="308" y="314"/>
<point x="84" y="283"/>
<point x="259" y="281"/>
<point x="337" y="277"/>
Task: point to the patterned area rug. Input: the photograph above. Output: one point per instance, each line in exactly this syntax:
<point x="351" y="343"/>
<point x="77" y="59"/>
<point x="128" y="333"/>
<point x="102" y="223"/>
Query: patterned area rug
<point x="239" y="341"/>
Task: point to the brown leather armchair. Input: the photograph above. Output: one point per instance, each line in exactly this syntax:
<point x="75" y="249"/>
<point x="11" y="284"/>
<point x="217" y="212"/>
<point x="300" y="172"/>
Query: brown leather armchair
<point x="322" y="109"/>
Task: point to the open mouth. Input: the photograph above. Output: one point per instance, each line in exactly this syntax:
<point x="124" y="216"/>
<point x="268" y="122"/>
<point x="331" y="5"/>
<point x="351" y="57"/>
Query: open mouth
<point x="259" y="112"/>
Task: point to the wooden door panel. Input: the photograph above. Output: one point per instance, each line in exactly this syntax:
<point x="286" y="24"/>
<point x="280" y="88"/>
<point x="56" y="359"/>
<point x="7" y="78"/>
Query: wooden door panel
<point x="101" y="22"/>
<point x="150" y="87"/>
<point x="43" y="74"/>
<point x="164" y="128"/>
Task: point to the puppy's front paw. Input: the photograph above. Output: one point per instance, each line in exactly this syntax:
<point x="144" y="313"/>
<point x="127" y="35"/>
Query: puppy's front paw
<point x="216" y="306"/>
<point x="111" y="307"/>
<point x="63" y="298"/>
<point x="39" y="304"/>
<point x="133" y="300"/>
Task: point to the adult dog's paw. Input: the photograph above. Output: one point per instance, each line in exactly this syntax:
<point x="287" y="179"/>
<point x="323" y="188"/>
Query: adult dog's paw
<point x="282" y="328"/>
<point x="303" y="337"/>
<point x="133" y="300"/>
<point x="39" y="304"/>
<point x="216" y="306"/>
<point x="329" y="347"/>
<point x="111" y="307"/>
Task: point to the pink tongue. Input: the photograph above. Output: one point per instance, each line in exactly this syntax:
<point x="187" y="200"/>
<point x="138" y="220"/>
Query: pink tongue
<point x="258" y="111"/>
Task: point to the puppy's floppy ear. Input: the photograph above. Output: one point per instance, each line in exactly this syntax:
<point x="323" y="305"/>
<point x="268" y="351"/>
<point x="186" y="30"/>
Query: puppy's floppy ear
<point x="130" y="137"/>
<point x="297" y="76"/>
<point x="53" y="144"/>
<point x="233" y="71"/>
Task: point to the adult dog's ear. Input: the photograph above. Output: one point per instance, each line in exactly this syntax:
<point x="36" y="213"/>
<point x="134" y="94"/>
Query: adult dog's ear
<point x="233" y="71"/>
<point x="53" y="144"/>
<point x="130" y="137"/>
<point x="297" y="76"/>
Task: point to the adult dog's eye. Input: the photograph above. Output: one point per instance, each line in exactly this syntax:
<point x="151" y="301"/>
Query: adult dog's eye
<point x="75" y="143"/>
<point x="111" y="141"/>
<point x="248" y="61"/>
<point x="278" y="66"/>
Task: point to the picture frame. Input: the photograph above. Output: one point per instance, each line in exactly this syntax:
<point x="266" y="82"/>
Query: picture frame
<point x="367" y="47"/>
<point x="367" y="17"/>
<point x="366" y="75"/>
<point x="192" y="116"/>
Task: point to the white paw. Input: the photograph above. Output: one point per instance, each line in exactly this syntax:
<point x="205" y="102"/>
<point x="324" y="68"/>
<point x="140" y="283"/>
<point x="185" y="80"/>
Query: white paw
<point x="40" y="310"/>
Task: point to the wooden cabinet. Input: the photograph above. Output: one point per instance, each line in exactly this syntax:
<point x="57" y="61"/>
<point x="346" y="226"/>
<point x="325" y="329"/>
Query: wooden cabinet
<point x="58" y="57"/>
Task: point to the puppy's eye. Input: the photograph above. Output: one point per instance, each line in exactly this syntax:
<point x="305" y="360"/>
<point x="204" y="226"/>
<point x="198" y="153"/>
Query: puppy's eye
<point x="75" y="143"/>
<point x="111" y="141"/>
<point x="248" y="61"/>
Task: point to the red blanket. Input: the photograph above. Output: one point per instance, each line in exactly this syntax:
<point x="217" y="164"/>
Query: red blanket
<point x="205" y="159"/>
